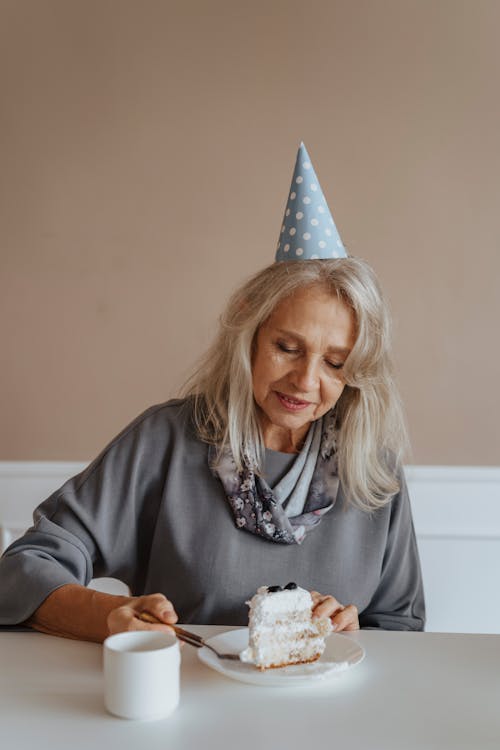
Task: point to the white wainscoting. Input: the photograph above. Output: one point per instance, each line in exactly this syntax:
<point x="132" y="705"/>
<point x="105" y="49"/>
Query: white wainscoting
<point x="457" y="520"/>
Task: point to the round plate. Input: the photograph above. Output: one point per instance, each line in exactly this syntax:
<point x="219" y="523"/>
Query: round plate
<point x="339" y="655"/>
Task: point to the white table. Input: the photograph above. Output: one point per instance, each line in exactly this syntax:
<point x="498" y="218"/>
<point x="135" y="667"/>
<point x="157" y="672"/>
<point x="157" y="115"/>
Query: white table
<point x="413" y="690"/>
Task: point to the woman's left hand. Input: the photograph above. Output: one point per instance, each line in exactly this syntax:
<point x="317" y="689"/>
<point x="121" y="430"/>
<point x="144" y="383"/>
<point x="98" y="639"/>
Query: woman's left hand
<point x="342" y="618"/>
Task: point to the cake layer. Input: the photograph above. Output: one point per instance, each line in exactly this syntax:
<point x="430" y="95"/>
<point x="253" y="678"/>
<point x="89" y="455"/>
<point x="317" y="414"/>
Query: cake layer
<point x="282" y="651"/>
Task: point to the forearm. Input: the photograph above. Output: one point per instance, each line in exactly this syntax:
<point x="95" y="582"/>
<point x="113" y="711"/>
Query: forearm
<point x="73" y="611"/>
<point x="390" y="621"/>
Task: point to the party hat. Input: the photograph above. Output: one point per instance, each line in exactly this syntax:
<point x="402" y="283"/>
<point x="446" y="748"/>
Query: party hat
<point x="308" y="230"/>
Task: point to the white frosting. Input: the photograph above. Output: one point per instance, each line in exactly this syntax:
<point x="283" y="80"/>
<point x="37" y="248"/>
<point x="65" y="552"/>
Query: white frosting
<point x="264" y="603"/>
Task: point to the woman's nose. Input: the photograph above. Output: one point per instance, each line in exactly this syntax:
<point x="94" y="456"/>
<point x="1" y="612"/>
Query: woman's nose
<point x="306" y="376"/>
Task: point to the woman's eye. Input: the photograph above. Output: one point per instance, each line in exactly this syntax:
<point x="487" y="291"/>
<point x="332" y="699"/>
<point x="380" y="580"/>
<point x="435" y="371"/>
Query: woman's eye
<point x="335" y="365"/>
<point x="287" y="349"/>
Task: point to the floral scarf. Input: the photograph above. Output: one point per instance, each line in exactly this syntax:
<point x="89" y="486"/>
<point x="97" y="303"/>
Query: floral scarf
<point x="296" y="505"/>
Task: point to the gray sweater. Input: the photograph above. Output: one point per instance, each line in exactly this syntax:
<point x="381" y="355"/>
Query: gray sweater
<point x="149" y="511"/>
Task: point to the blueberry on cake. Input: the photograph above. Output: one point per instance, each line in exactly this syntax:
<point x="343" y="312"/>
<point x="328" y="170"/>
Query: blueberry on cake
<point x="280" y="628"/>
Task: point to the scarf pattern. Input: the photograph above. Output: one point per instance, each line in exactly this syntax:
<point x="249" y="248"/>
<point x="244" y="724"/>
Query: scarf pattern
<point x="254" y="505"/>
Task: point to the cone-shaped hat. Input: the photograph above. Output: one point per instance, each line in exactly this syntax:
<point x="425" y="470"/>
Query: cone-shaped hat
<point x="308" y="230"/>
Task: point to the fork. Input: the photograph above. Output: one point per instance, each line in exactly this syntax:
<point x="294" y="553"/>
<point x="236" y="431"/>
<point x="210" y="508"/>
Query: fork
<point x="188" y="637"/>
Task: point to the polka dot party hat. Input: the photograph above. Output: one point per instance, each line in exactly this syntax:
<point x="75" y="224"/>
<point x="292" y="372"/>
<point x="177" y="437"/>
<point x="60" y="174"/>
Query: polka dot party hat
<point x="308" y="230"/>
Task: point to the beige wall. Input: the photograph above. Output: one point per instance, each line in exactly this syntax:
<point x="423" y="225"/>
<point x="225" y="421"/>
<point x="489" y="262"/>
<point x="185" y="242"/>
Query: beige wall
<point x="145" y="155"/>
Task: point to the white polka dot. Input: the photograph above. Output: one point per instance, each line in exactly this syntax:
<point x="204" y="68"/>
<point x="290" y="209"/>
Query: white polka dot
<point x="282" y="229"/>
<point x="331" y="220"/>
<point x="306" y="236"/>
<point x="322" y="244"/>
<point x="306" y="200"/>
<point x="339" y="243"/>
<point x="286" y="248"/>
<point x="328" y="232"/>
<point x="299" y="251"/>
<point x="299" y="180"/>
<point x="314" y="187"/>
<point x="287" y="212"/>
<point x="306" y="164"/>
<point x="314" y="257"/>
<point x="321" y="209"/>
<point x="335" y="254"/>
<point x="293" y="195"/>
<point x="292" y="231"/>
<point x="314" y="222"/>
<point x="299" y="215"/>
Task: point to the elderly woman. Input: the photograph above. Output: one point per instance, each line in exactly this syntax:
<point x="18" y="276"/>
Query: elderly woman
<point x="282" y="462"/>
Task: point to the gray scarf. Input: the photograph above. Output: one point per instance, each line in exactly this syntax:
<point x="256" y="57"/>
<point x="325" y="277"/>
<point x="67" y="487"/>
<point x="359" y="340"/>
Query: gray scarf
<point x="300" y="499"/>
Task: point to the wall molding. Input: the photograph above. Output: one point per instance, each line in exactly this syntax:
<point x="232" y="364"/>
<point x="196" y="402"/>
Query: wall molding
<point x="446" y="500"/>
<point x="455" y="501"/>
<point x="25" y="484"/>
<point x="40" y="468"/>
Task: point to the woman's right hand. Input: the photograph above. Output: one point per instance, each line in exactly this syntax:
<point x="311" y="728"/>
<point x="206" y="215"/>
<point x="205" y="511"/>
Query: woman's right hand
<point x="127" y="616"/>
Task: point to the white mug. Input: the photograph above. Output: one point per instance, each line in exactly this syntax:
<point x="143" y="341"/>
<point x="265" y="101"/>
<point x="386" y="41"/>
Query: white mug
<point x="141" y="674"/>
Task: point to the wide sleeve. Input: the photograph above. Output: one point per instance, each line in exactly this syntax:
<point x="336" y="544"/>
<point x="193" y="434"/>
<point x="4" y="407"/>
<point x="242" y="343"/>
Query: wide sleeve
<point x="90" y="526"/>
<point x="398" y="603"/>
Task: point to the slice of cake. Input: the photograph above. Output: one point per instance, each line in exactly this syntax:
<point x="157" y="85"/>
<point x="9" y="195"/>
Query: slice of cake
<point x="281" y="630"/>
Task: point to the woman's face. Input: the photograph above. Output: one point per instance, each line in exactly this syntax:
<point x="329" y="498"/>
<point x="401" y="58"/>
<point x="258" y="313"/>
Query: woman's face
<point x="297" y="364"/>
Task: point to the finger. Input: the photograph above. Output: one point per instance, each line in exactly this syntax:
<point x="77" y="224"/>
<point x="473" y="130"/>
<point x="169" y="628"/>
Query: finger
<point x="145" y="617"/>
<point x="327" y="606"/>
<point x="126" y="618"/>
<point x="158" y="606"/>
<point x="346" y="620"/>
<point x="138" y="623"/>
<point x="316" y="597"/>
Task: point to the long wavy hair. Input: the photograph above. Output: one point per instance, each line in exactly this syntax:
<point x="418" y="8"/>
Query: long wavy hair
<point x="369" y="418"/>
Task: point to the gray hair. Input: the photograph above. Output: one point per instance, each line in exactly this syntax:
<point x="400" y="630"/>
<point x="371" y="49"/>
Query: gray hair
<point x="369" y="417"/>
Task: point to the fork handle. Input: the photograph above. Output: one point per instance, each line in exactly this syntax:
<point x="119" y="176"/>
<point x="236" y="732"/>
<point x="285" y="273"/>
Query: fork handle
<point x="186" y="635"/>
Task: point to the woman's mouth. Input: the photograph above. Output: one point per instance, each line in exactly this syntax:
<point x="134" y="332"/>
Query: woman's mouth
<point x="290" y="403"/>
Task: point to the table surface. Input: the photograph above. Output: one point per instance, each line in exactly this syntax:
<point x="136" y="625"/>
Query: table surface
<point x="413" y="690"/>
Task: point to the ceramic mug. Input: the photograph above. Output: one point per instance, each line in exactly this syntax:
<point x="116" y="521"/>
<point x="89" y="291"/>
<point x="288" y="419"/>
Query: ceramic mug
<point x="141" y="674"/>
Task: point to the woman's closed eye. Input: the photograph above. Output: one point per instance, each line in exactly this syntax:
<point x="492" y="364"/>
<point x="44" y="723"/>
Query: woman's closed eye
<point x="287" y="348"/>
<point x="290" y="349"/>
<point x="335" y="365"/>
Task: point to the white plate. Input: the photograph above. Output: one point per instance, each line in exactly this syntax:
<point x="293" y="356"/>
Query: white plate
<point x="339" y="655"/>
